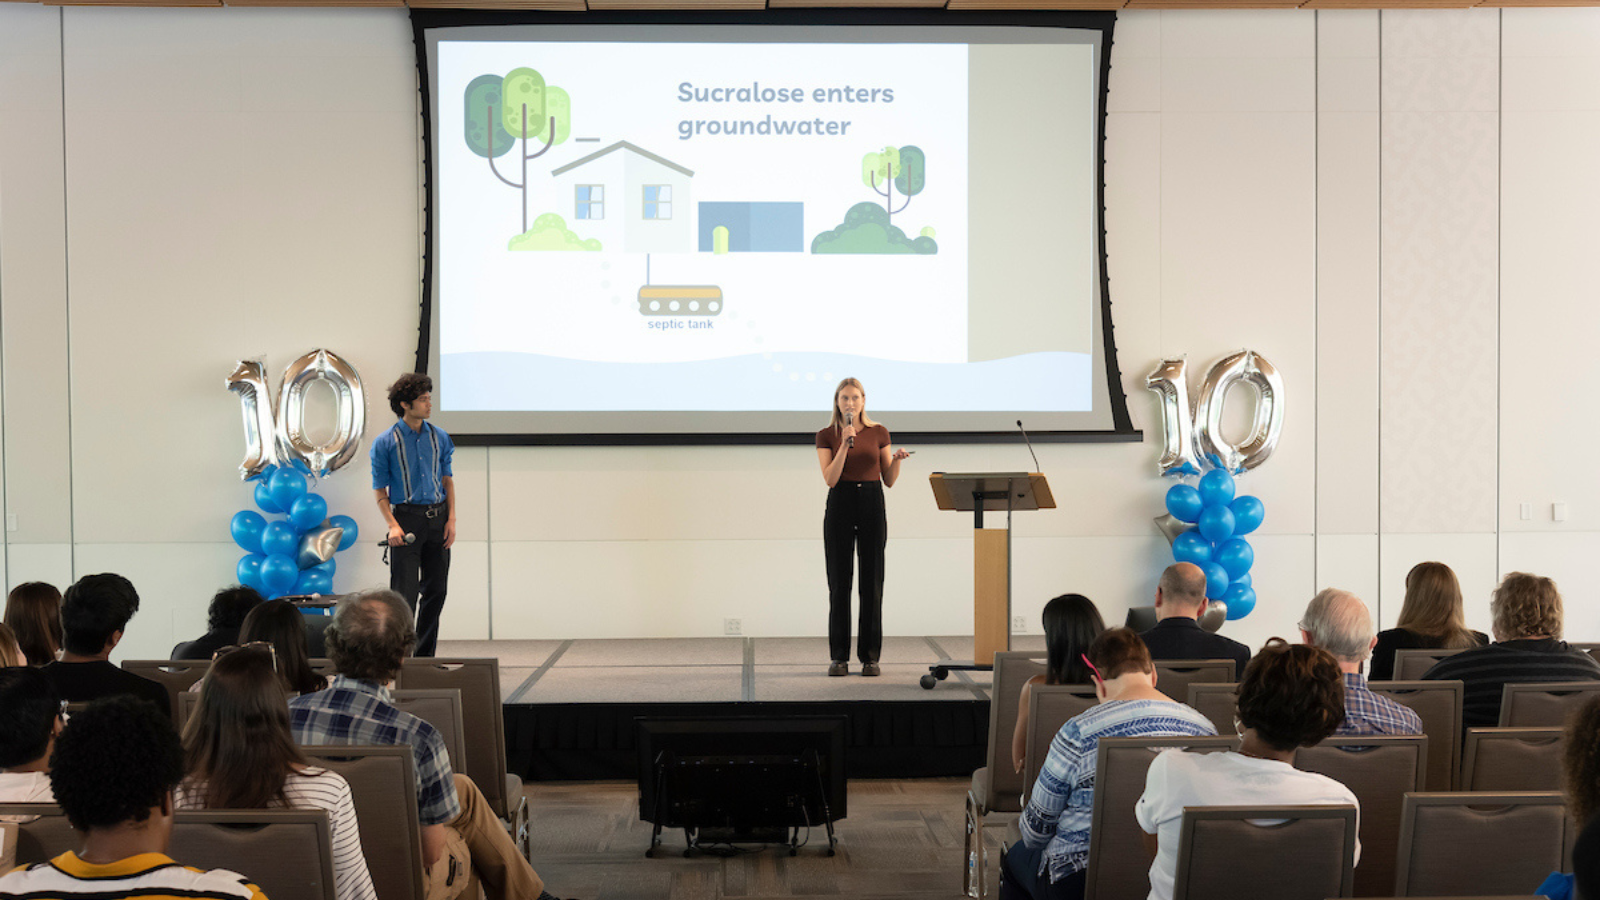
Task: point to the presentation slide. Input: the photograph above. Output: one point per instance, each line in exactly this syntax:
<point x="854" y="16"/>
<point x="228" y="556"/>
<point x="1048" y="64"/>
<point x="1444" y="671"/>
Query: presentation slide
<point x="703" y="228"/>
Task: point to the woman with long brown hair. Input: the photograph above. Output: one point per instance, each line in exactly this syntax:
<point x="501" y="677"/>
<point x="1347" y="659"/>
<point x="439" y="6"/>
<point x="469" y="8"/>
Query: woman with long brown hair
<point x="240" y="754"/>
<point x="1431" y="618"/>
<point x="282" y="624"/>
<point x="33" y="611"/>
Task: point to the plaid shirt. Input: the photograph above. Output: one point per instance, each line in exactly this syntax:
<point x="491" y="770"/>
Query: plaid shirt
<point x="1057" y="817"/>
<point x="360" y="712"/>
<point x="1368" y="713"/>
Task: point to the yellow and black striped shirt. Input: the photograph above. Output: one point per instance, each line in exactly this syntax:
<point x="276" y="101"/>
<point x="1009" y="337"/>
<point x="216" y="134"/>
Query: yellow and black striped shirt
<point x="148" y="876"/>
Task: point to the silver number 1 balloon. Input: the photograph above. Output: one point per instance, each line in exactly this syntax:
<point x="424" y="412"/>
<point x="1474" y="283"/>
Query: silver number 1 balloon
<point x="1171" y="383"/>
<point x="249" y="381"/>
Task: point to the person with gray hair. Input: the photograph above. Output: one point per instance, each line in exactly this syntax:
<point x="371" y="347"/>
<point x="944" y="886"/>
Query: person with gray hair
<point x="1180" y="599"/>
<point x="1338" y="622"/>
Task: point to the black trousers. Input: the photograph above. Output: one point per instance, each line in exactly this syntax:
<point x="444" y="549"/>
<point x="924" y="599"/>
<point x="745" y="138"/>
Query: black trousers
<point x="1020" y="878"/>
<point x="855" y="522"/>
<point x="420" y="572"/>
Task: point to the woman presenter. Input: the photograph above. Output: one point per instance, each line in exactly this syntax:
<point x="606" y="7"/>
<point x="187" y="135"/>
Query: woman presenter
<point x="857" y="463"/>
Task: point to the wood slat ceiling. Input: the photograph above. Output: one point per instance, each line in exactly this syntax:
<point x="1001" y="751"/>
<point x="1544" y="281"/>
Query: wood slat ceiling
<point x="584" y="5"/>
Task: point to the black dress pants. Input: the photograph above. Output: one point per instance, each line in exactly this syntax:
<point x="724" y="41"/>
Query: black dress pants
<point x="420" y="572"/>
<point x="855" y="522"/>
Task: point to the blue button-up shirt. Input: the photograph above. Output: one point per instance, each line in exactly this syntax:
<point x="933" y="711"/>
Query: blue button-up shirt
<point x="412" y="465"/>
<point x="1369" y="713"/>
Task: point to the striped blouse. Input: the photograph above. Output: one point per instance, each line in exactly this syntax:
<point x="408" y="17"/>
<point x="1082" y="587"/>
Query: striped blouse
<point x="316" y="788"/>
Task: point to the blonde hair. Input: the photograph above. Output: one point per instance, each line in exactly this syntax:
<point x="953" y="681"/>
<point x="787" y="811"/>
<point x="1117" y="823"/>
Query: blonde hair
<point x="1433" y="606"/>
<point x="1526" y="606"/>
<point x="837" y="422"/>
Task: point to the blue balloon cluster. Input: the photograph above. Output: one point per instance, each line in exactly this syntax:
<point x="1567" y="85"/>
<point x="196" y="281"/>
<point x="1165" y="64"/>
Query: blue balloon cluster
<point x="273" y="562"/>
<point x="1216" y="541"/>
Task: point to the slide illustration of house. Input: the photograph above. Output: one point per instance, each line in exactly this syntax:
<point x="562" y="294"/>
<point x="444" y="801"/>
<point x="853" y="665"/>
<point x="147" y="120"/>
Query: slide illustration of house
<point x="630" y="198"/>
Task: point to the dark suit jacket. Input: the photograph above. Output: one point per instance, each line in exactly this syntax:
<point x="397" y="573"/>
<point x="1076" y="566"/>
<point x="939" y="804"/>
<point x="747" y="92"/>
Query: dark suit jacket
<point x="1180" y="637"/>
<point x="206" y="644"/>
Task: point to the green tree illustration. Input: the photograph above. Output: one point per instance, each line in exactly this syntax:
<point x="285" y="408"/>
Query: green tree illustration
<point x="519" y="107"/>
<point x="895" y="168"/>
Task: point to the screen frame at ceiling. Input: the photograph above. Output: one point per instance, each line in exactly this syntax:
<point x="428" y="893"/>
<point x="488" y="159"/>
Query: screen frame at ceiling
<point x="423" y="20"/>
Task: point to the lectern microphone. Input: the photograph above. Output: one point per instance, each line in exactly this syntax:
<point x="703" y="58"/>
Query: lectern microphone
<point x="1030" y="445"/>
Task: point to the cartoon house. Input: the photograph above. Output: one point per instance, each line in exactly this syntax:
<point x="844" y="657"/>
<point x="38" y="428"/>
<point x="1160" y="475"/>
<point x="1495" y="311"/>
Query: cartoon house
<point x="629" y="198"/>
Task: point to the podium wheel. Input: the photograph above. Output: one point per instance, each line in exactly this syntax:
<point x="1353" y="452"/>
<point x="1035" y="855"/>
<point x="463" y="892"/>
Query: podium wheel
<point x="928" y="681"/>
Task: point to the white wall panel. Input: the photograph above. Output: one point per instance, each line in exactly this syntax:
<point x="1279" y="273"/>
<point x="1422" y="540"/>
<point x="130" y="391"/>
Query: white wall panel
<point x="1567" y="558"/>
<point x="1350" y="562"/>
<point x="1471" y="556"/>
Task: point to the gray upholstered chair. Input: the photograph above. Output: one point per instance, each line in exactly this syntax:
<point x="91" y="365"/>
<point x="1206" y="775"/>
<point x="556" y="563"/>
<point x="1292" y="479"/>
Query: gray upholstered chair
<point x="997" y="787"/>
<point x="1512" y="759"/>
<point x="285" y="852"/>
<point x="45" y="834"/>
<point x="1380" y="771"/>
<point x="1217" y="701"/>
<point x="1173" y="676"/>
<point x="1438" y="704"/>
<point x="1472" y="842"/>
<point x="1544" y="705"/>
<point x="1049" y="708"/>
<point x="176" y="675"/>
<point x="384" y="787"/>
<point x="441" y="708"/>
<point x="1282" y="852"/>
<point x="1118" y="867"/>
<point x="183" y="706"/>
<point x="1409" y="665"/>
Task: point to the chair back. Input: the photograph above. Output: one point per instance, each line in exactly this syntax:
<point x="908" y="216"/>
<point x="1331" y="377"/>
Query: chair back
<point x="1173" y="676"/>
<point x="1012" y="669"/>
<point x="1049" y="708"/>
<point x="1544" y="705"/>
<point x="1409" y="665"/>
<point x="1480" y="843"/>
<point x="1513" y="759"/>
<point x="441" y="708"/>
<point x="183" y="706"/>
<point x="1380" y="771"/>
<point x="1591" y="648"/>
<point x="44" y="834"/>
<point x="285" y="852"/>
<point x="1217" y="702"/>
<point x="323" y="667"/>
<point x="1282" y="852"/>
<point x="384" y="787"/>
<point x="1438" y="705"/>
<point x="1119" y="869"/>
<point x="176" y="675"/>
<point x="478" y="680"/>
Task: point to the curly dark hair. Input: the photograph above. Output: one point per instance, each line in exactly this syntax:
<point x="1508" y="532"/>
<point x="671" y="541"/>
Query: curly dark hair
<point x="116" y="760"/>
<point x="1292" y="695"/>
<point x="406" y="389"/>
<point x="1582" y="758"/>
<point x="370" y="634"/>
<point x="93" y="609"/>
<point x="230" y="605"/>
<point x="29" y="707"/>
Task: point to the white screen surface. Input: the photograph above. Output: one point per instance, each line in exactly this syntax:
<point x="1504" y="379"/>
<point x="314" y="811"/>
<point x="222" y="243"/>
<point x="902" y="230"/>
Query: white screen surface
<point x="707" y="244"/>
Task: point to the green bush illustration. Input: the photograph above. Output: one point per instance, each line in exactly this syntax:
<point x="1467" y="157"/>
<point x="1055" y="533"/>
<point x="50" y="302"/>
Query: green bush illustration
<point x="549" y="232"/>
<point x="866" y="229"/>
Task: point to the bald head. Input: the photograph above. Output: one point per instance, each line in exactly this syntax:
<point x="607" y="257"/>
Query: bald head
<point x="1338" y="622"/>
<point x="1182" y="591"/>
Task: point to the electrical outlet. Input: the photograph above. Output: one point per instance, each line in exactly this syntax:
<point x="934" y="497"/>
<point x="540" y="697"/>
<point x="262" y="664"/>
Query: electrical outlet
<point x="1527" y="511"/>
<point x="732" y="626"/>
<point x="1018" y="624"/>
<point x="1558" y="511"/>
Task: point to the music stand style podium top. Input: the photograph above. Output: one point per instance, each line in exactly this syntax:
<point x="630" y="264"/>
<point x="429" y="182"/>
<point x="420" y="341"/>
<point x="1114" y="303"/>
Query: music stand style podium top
<point x="978" y="493"/>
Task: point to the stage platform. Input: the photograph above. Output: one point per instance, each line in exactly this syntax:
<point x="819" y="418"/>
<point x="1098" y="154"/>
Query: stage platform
<point x="570" y="706"/>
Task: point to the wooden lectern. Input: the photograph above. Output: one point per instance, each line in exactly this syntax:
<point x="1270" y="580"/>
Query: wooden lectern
<point x="991" y="554"/>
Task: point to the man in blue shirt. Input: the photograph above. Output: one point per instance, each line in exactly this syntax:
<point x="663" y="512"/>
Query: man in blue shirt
<point x="417" y="498"/>
<point x="1338" y="622"/>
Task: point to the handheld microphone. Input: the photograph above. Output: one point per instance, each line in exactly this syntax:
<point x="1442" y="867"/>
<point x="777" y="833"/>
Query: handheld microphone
<point x="1030" y="445"/>
<point x="410" y="539"/>
<point x="850" y="420"/>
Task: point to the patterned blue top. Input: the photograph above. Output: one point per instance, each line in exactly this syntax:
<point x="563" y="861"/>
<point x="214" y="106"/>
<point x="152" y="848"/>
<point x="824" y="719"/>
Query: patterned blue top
<point x="1063" y="796"/>
<point x="412" y="465"/>
<point x="360" y="712"/>
<point x="1369" y="713"/>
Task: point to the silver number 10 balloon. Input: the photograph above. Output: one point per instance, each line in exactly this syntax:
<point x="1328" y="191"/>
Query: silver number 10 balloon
<point x="1191" y="439"/>
<point x="278" y="436"/>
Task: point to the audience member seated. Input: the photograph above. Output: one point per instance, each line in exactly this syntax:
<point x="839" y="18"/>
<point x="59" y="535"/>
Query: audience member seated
<point x="1071" y="623"/>
<point x="1049" y="862"/>
<point x="10" y="651"/>
<point x="281" y="624"/>
<point x="94" y="613"/>
<point x="113" y="773"/>
<point x="1431" y="618"/>
<point x="1583" y="794"/>
<point x="33" y="612"/>
<point x="30" y="719"/>
<point x="1292" y="696"/>
<point x="1338" y="622"/>
<point x="371" y="633"/>
<point x="229" y="606"/>
<point x="1527" y="616"/>
<point x="1180" y="599"/>
<point x="240" y="754"/>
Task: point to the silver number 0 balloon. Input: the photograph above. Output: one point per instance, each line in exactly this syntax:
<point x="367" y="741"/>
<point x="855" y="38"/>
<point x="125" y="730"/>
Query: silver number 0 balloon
<point x="1190" y="439"/>
<point x="277" y="436"/>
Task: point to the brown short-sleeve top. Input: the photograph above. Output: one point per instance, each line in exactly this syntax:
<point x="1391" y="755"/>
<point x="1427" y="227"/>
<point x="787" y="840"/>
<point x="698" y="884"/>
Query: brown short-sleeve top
<point x="865" y="462"/>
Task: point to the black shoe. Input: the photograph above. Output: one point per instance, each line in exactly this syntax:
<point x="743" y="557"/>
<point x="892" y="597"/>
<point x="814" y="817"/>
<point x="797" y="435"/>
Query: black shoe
<point x="870" y="670"/>
<point x="837" y="668"/>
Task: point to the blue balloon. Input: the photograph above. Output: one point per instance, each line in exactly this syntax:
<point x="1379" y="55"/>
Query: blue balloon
<point x="287" y="486"/>
<point x="308" y="512"/>
<point x="1240" y="601"/>
<point x="278" y="572"/>
<point x="249" y="570"/>
<point x="1216" y="580"/>
<point x="1236" y="556"/>
<point x="312" y="581"/>
<point x="1216" y="488"/>
<point x="348" y="540"/>
<point x="264" y="498"/>
<point x="246" y="528"/>
<point x="1184" y="503"/>
<point x="1216" y="524"/>
<point x="1190" y="547"/>
<point x="1247" y="514"/>
<point x="265" y="475"/>
<point x="1242" y="579"/>
<point x="328" y="568"/>
<point x="280" y="538"/>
